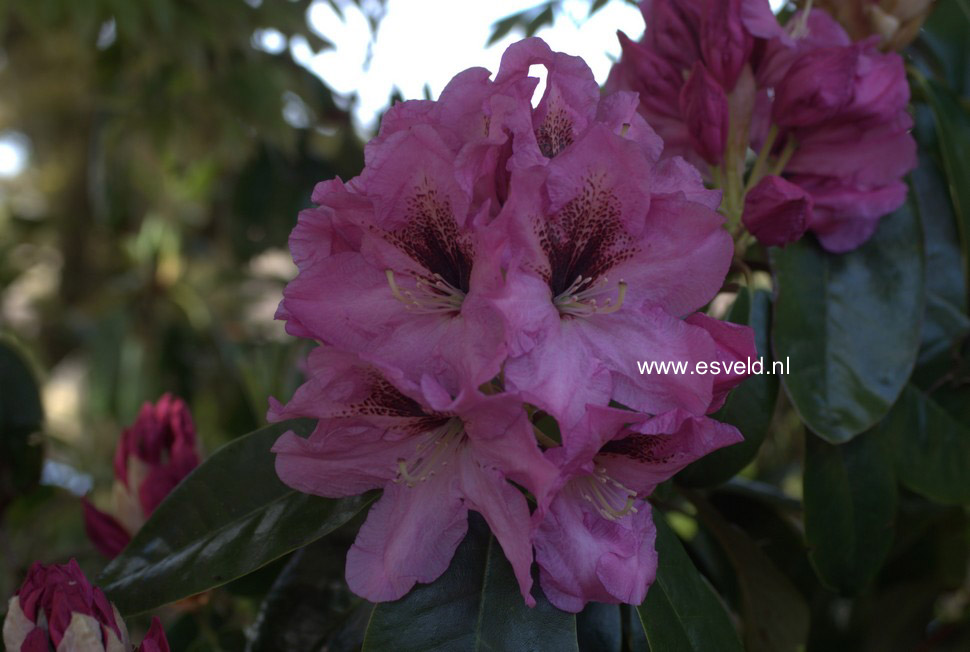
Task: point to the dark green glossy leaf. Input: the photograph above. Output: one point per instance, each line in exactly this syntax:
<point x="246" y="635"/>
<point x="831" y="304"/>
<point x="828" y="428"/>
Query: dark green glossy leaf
<point x="946" y="34"/>
<point x="681" y="611"/>
<point x="953" y="129"/>
<point x="775" y="615"/>
<point x="599" y="628"/>
<point x="308" y="602"/>
<point x="932" y="444"/>
<point x="849" y="325"/>
<point x="750" y="407"/>
<point x="21" y="416"/>
<point x="229" y="517"/>
<point x="850" y="509"/>
<point x="475" y="605"/>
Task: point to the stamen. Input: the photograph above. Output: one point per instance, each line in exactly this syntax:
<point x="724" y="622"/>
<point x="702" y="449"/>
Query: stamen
<point x="432" y="295"/>
<point x="580" y="298"/>
<point x="434" y="450"/>
<point x="610" y="498"/>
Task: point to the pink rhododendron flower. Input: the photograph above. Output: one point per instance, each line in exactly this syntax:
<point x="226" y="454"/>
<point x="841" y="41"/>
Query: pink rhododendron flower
<point x="595" y="541"/>
<point x="57" y="608"/>
<point x="609" y="249"/>
<point x="825" y="114"/>
<point x="498" y="262"/>
<point x="435" y="455"/>
<point x="153" y="455"/>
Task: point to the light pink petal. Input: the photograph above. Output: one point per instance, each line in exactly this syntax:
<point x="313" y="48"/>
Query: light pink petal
<point x="504" y="507"/>
<point x="410" y="536"/>
<point x="653" y="451"/>
<point x="584" y="557"/>
<point x="621" y="340"/>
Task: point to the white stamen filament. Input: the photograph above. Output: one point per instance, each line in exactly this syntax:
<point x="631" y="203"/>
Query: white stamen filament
<point x="434" y="451"/>
<point x="429" y="297"/>
<point x="610" y="498"/>
<point x="580" y="298"/>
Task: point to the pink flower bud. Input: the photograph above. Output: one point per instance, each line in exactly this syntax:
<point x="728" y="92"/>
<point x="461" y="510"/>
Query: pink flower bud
<point x="725" y="43"/>
<point x="705" y="108"/>
<point x="57" y="608"/>
<point x="817" y="87"/>
<point x="153" y="455"/>
<point x="777" y="212"/>
<point x="157" y="451"/>
<point x="154" y="640"/>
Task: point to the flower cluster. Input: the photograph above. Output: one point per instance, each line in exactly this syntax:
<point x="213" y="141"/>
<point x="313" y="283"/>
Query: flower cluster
<point x="481" y="294"/>
<point x="826" y="116"/>
<point x="57" y="608"/>
<point x="153" y="455"/>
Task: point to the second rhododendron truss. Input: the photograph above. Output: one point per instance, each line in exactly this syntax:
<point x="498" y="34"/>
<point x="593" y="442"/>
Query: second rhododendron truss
<point x="481" y="294"/>
<point x="801" y="127"/>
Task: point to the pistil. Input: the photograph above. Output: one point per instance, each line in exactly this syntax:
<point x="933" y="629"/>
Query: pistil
<point x="432" y="295"/>
<point x="610" y="498"/>
<point x="433" y="452"/>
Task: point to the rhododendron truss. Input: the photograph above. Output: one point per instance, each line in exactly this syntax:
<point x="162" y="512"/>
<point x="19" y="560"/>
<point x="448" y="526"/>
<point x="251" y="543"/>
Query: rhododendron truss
<point x="481" y="294"/>
<point x="801" y="127"/>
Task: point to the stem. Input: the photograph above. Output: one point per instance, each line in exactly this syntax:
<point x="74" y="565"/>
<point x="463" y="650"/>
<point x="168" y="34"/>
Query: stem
<point x="543" y="438"/>
<point x="757" y="172"/>
<point x="786" y="155"/>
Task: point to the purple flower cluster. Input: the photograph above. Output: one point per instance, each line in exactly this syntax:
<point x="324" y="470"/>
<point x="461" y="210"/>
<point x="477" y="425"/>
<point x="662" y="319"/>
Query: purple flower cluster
<point x="825" y="117"/>
<point x="482" y="293"/>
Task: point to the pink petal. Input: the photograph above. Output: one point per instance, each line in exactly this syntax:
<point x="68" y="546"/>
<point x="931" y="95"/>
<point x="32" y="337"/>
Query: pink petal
<point x="410" y="536"/>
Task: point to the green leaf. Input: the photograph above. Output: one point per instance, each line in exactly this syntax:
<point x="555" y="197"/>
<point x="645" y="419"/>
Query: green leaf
<point x="775" y="615"/>
<point x="953" y="129"/>
<point x="681" y="611"/>
<point x="932" y="445"/>
<point x="750" y="407"/>
<point x="850" y="509"/>
<point x="848" y="325"/>
<point x="229" y="517"/>
<point x="308" y="602"/>
<point x="475" y="605"/>
<point x="21" y="417"/>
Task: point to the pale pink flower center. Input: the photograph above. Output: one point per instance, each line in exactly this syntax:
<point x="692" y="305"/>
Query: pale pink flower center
<point x="582" y="298"/>
<point x="431" y="295"/>
<point x="433" y="452"/>
<point x="610" y="498"/>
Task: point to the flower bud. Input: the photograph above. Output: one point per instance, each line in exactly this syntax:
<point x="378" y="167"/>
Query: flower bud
<point x="153" y="455"/>
<point x="704" y="106"/>
<point x="776" y="211"/>
<point x="57" y="608"/>
<point x="725" y="43"/>
<point x="154" y="640"/>
<point x="817" y="86"/>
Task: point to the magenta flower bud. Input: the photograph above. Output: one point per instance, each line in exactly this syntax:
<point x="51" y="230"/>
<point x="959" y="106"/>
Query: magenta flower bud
<point x="57" y="609"/>
<point x="725" y="43"/>
<point x="817" y="87"/>
<point x="152" y="457"/>
<point x="777" y="212"/>
<point x="705" y="108"/>
<point x="154" y="640"/>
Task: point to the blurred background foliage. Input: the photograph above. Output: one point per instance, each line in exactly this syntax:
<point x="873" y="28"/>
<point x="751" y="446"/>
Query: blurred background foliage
<point x="143" y="247"/>
<point x="143" y="250"/>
